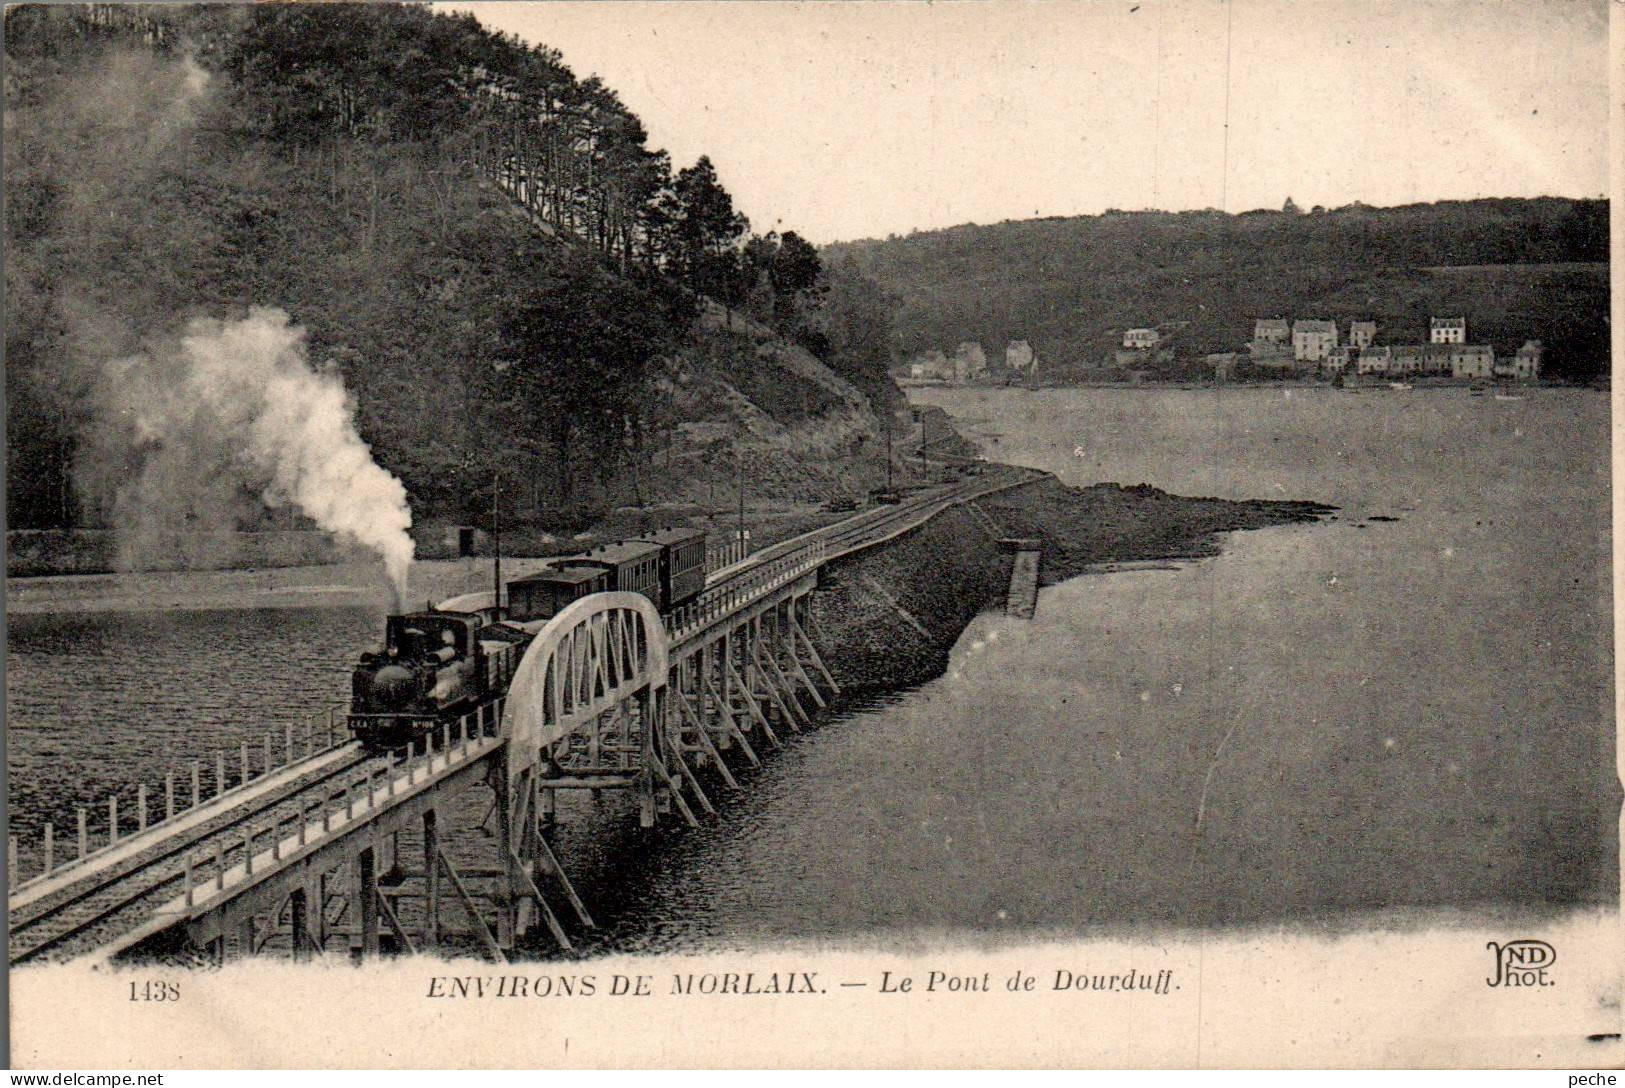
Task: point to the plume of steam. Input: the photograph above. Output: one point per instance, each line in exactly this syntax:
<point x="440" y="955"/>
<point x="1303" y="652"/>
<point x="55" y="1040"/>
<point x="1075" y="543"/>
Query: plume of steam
<point x="234" y="416"/>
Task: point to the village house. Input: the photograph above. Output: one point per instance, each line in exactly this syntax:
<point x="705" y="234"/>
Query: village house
<point x="1223" y="364"/>
<point x="1269" y="355"/>
<point x="1472" y="361"/>
<point x="1362" y="333"/>
<point x="1436" y="358"/>
<point x="1019" y="357"/>
<point x="1407" y="359"/>
<point x="1375" y="360"/>
<point x="1271" y="330"/>
<point x="1312" y="339"/>
<point x="1341" y="358"/>
<point x="1142" y="347"/>
<point x="1448" y="330"/>
<point x="1525" y="364"/>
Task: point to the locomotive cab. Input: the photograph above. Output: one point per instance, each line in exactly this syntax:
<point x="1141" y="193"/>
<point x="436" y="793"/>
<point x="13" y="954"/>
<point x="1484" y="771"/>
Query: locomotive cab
<point x="440" y="636"/>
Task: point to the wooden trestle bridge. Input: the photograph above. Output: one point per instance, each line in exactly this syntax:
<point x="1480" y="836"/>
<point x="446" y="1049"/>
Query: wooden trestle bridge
<point x="310" y="847"/>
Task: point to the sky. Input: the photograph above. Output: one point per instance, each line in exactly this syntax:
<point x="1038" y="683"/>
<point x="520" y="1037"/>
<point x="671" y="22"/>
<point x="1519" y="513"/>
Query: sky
<point x="845" y="120"/>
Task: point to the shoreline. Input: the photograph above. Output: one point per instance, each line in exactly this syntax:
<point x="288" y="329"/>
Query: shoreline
<point x="1110" y="524"/>
<point x="893" y="614"/>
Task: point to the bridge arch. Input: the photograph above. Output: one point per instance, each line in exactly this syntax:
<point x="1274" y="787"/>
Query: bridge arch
<point x="595" y="655"/>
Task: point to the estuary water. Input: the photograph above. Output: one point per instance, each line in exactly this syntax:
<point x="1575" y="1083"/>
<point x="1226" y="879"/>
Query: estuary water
<point x="1405" y="707"/>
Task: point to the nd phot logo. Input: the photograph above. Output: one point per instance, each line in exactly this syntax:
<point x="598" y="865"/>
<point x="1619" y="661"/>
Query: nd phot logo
<point x="1522" y="963"/>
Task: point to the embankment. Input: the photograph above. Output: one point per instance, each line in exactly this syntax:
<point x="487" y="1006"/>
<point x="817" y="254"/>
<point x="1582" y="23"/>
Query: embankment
<point x="890" y="615"/>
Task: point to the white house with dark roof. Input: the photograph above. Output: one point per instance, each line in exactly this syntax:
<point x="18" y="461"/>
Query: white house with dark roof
<point x="1313" y="340"/>
<point x="1447" y="330"/>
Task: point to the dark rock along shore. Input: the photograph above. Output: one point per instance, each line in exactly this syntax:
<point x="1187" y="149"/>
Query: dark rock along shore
<point x="950" y="569"/>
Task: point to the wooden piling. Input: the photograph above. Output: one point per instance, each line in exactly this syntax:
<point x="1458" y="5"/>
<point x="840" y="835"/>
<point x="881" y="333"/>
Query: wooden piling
<point x="50" y="849"/>
<point x="298" y="909"/>
<point x="112" y="819"/>
<point x="169" y="795"/>
<point x="84" y="834"/>
<point x="141" y="807"/>
<point x="367" y="900"/>
<point x="431" y="872"/>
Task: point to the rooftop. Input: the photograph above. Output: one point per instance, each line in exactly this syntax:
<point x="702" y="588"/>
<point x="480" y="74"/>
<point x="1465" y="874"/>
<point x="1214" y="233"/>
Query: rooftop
<point x="570" y="575"/>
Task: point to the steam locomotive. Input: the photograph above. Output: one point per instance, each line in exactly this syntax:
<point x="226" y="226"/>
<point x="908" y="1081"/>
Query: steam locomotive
<point x="436" y="666"/>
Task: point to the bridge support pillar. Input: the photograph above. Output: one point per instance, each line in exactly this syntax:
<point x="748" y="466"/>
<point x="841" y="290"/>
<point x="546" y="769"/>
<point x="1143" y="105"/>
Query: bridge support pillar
<point x="298" y="911"/>
<point x="645" y="708"/>
<point x="431" y="882"/>
<point x="507" y="914"/>
<point x="366" y="896"/>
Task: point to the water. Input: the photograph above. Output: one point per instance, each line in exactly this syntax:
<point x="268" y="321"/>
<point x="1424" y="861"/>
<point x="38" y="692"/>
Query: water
<point x="1324" y="718"/>
<point x="99" y="701"/>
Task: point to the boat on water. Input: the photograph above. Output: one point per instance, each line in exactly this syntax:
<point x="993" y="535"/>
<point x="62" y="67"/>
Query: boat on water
<point x="1509" y="396"/>
<point x="1398" y="385"/>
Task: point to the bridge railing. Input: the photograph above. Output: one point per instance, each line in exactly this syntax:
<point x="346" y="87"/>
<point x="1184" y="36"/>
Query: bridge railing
<point x="727" y="551"/>
<point x="315" y="735"/>
<point x="264" y="844"/>
<point x="737" y="592"/>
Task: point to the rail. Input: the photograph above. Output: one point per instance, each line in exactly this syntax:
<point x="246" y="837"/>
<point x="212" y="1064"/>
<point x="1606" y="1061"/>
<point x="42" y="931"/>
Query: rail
<point x="337" y="808"/>
<point x="318" y="734"/>
<point x="314" y="739"/>
<point x="756" y="581"/>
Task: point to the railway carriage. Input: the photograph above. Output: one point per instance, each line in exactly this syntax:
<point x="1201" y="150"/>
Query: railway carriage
<point x="633" y="566"/>
<point x="682" y="564"/>
<point x="545" y="594"/>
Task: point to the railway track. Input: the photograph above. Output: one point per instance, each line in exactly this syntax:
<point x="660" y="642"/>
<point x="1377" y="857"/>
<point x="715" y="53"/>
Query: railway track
<point x="878" y="525"/>
<point x="118" y="897"/>
<point x="83" y="914"/>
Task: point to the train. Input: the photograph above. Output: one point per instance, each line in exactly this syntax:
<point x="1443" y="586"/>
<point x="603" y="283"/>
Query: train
<point x="435" y="666"/>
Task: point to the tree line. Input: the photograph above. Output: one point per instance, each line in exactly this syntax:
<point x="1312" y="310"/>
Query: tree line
<point x="486" y="247"/>
<point x="1518" y="268"/>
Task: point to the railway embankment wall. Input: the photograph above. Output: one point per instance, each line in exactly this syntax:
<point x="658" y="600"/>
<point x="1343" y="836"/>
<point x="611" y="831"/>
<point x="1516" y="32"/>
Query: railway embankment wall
<point x="891" y="614"/>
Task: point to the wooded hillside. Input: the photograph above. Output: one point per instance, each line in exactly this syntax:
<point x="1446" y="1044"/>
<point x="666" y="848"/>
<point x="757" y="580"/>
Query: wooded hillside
<point x="1518" y="269"/>
<point x="482" y="244"/>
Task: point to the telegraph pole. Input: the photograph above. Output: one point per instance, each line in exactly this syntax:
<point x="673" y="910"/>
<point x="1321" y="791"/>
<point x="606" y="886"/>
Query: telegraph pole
<point x="739" y="463"/>
<point x="496" y="540"/>
<point x="888" y="422"/>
